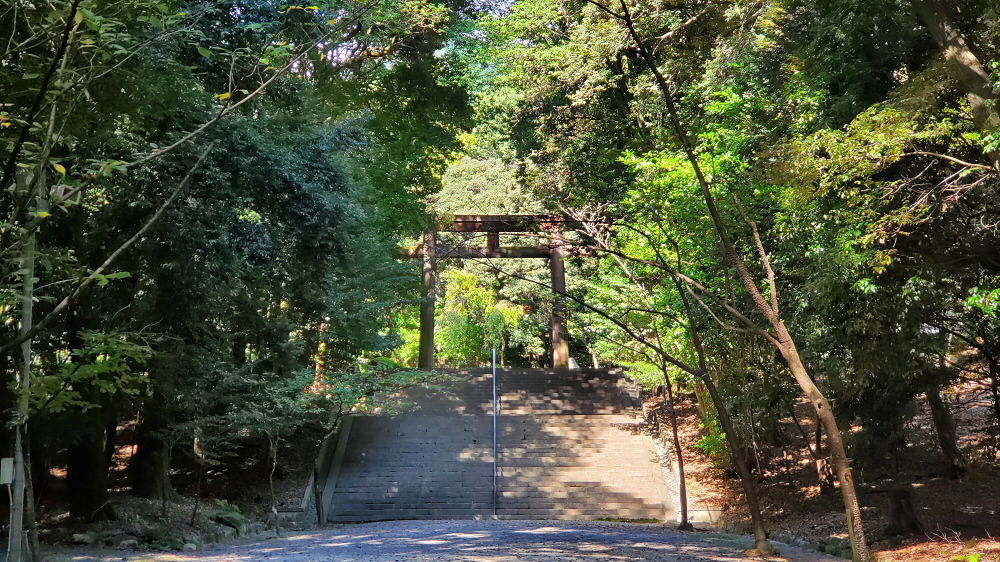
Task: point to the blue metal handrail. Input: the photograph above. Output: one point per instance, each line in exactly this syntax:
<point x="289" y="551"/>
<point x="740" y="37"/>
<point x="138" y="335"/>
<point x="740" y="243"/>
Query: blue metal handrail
<point x="494" y="432"/>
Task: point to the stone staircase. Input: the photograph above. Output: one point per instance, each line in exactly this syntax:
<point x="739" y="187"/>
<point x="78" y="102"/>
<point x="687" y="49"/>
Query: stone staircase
<point x="569" y="447"/>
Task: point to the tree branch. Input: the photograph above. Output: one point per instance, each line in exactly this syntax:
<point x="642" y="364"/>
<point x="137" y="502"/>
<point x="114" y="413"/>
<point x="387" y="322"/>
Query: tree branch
<point x="953" y="159"/>
<point x="36" y="104"/>
<point x="624" y="327"/>
<point x="764" y="258"/>
<point x="89" y="280"/>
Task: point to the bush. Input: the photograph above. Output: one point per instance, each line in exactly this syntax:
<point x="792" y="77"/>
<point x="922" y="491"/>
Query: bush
<point x="713" y="443"/>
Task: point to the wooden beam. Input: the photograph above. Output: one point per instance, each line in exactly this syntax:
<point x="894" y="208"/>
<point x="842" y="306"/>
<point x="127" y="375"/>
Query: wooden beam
<point x="504" y="223"/>
<point x="483" y="253"/>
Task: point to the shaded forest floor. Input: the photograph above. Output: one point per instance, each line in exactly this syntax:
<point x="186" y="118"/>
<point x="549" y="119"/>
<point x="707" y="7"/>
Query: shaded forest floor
<point x="234" y="506"/>
<point x="961" y="517"/>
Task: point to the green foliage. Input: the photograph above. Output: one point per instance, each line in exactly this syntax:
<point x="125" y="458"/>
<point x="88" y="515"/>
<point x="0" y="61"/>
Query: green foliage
<point x="713" y="444"/>
<point x="483" y="186"/>
<point x="230" y="515"/>
<point x="986" y="301"/>
<point x="106" y="367"/>
<point x="473" y="321"/>
<point x="375" y="386"/>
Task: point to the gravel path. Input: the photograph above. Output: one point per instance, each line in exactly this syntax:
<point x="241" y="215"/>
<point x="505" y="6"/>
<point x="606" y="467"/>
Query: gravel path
<point x="486" y="541"/>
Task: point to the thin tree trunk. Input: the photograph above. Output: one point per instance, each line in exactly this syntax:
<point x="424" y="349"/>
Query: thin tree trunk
<point x="30" y="519"/>
<point x="197" y="493"/>
<point x="735" y="445"/>
<point x="670" y="406"/>
<point x="823" y="471"/>
<point x="15" y="548"/>
<point x="273" y="442"/>
<point x="994" y="375"/>
<point x="944" y="426"/>
<point x="740" y="463"/>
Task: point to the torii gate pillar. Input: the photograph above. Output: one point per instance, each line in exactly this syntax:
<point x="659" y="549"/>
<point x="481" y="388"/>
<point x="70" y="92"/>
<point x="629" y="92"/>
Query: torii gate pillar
<point x="425" y="359"/>
<point x="557" y="322"/>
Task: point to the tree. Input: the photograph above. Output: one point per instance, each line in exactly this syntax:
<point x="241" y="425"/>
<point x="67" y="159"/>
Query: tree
<point x="112" y="105"/>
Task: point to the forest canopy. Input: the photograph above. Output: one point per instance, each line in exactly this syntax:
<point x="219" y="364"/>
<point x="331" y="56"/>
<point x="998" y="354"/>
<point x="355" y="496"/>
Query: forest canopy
<point x="203" y="206"/>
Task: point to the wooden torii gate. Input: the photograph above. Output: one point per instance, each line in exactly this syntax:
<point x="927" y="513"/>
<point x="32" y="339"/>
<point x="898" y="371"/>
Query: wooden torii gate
<point x="493" y="226"/>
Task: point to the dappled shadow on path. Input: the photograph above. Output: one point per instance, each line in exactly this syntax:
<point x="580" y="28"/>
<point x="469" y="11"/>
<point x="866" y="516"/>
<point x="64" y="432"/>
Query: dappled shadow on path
<point x="490" y="541"/>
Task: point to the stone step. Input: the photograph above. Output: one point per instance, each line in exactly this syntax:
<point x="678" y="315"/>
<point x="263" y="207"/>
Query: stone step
<point x="581" y="515"/>
<point x="392" y="481"/>
<point x="569" y="417"/>
<point x="394" y="515"/>
<point x="558" y="512"/>
<point x="415" y="502"/>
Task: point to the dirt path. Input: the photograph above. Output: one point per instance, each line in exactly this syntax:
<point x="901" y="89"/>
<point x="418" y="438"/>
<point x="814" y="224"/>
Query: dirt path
<point x="479" y="540"/>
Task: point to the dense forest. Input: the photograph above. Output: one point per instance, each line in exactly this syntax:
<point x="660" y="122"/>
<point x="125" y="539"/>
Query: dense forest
<point x="206" y="206"/>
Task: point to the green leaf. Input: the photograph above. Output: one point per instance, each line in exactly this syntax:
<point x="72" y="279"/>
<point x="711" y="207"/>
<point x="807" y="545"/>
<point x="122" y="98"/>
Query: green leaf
<point x="104" y="279"/>
<point x="204" y="52"/>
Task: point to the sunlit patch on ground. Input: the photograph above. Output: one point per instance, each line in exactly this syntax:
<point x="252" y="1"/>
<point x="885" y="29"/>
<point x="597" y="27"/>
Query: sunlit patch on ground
<point x="545" y="530"/>
<point x="487" y="541"/>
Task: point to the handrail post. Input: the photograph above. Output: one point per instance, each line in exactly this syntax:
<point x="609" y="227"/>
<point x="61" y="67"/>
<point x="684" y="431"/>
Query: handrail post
<point x="494" y="432"/>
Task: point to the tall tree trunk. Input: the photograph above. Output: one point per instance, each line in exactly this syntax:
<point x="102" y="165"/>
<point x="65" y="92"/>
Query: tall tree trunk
<point x="835" y="440"/>
<point x="273" y="442"/>
<point x="87" y="472"/>
<point x="15" y="546"/>
<point x="30" y="519"/>
<point x="964" y="65"/>
<point x="425" y="359"/>
<point x="944" y="426"/>
<point x="150" y="466"/>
